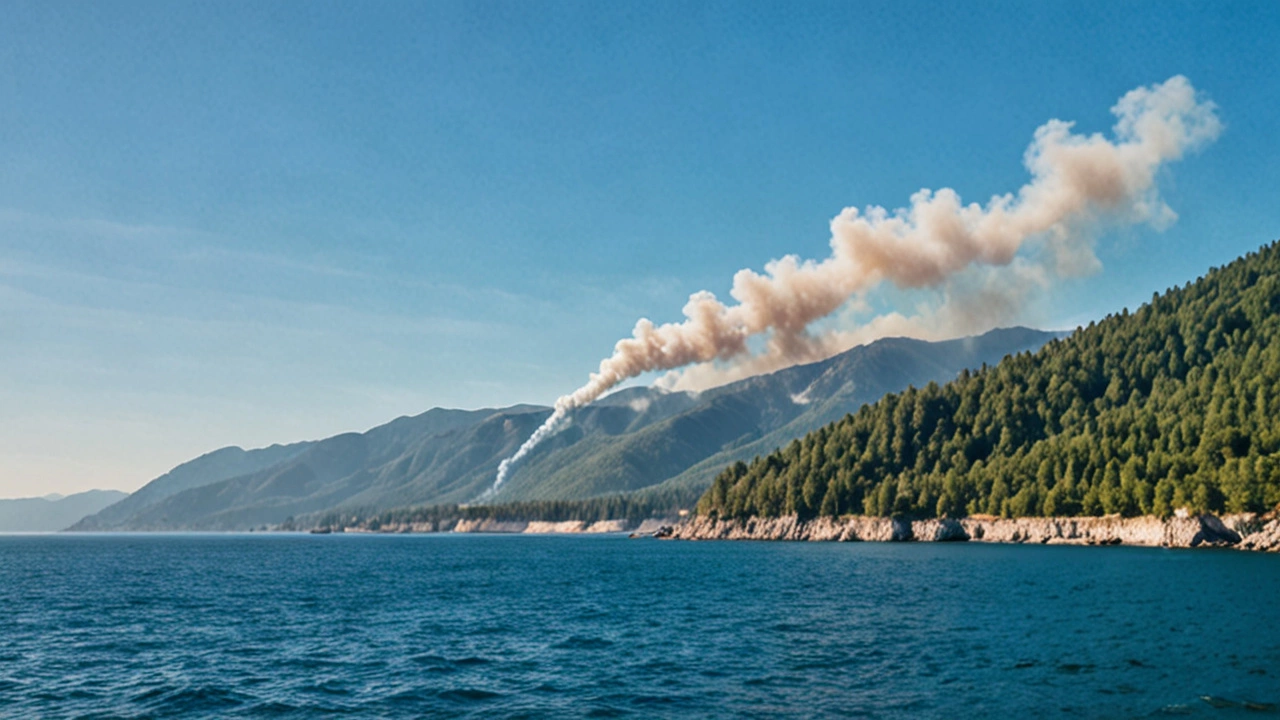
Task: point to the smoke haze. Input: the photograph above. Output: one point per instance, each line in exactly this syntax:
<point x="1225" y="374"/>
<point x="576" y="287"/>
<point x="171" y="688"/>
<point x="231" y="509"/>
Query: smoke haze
<point x="970" y="253"/>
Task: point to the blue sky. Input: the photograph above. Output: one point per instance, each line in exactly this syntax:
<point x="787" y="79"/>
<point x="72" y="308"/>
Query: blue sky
<point x="245" y="223"/>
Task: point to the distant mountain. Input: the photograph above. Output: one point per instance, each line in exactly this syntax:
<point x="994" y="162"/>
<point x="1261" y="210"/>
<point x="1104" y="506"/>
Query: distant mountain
<point x="53" y="512"/>
<point x="182" y="492"/>
<point x="209" y="468"/>
<point x="634" y="439"/>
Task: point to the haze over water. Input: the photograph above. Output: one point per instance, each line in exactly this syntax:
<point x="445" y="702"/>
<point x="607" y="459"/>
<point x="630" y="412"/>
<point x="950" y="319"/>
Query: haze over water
<point x="498" y="626"/>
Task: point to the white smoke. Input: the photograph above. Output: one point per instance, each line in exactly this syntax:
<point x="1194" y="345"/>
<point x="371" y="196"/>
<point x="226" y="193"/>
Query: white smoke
<point x="802" y="398"/>
<point x="1077" y="183"/>
<point x="639" y="405"/>
<point x="969" y="304"/>
<point x="552" y="425"/>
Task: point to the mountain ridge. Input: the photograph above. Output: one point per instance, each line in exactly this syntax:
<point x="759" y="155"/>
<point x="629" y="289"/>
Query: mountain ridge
<point x="633" y="440"/>
<point x="53" y="513"/>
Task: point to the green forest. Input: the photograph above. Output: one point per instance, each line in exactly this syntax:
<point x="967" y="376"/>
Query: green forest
<point x="634" y="507"/>
<point x="1174" y="405"/>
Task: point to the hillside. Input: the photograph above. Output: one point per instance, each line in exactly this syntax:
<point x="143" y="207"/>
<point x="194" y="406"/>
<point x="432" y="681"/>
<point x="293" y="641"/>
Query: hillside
<point x="209" y="468"/>
<point x="55" y="513"/>
<point x="681" y="454"/>
<point x="1170" y="406"/>
<point x="638" y="438"/>
<point x="227" y="484"/>
<point x="864" y="375"/>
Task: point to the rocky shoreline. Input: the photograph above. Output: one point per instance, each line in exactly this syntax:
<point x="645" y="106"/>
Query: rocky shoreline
<point x="537" y="527"/>
<point x="1246" y="531"/>
<point x="646" y="528"/>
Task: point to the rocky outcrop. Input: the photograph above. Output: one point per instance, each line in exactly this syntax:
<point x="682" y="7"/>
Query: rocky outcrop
<point x="654" y="527"/>
<point x="487" y="525"/>
<point x="942" y="530"/>
<point x="792" y="528"/>
<point x="538" y="527"/>
<point x="1110" y="530"/>
<point x="1266" y="538"/>
<point x="609" y="526"/>
<point x="1198" y="531"/>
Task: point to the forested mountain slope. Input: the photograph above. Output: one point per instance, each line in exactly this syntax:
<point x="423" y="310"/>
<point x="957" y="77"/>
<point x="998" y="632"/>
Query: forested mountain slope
<point x="1174" y="405"/>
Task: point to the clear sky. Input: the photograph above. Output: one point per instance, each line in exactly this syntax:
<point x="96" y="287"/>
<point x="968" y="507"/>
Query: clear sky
<point x="252" y="222"/>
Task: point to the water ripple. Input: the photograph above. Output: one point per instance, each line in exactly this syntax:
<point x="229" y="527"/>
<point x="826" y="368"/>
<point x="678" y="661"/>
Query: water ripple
<point x="295" y="626"/>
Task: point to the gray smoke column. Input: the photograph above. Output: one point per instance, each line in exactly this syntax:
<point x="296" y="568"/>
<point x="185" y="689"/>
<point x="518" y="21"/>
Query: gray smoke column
<point x="1077" y="181"/>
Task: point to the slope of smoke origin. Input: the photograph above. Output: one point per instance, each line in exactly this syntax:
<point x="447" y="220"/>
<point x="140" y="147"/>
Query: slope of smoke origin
<point x="1078" y="184"/>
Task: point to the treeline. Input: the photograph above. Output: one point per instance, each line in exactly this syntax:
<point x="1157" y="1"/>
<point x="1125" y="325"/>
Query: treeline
<point x="614" y="507"/>
<point x="1175" y="405"/>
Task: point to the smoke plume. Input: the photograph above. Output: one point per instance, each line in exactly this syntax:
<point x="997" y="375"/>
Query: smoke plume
<point x="1078" y="183"/>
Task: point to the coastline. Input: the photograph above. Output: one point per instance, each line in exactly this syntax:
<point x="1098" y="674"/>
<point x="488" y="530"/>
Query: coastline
<point x="1244" y="531"/>
<point x="644" y="528"/>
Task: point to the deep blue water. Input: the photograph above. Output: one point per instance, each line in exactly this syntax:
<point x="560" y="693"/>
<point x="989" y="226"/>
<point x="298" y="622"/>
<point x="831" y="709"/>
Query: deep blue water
<point x="504" y="626"/>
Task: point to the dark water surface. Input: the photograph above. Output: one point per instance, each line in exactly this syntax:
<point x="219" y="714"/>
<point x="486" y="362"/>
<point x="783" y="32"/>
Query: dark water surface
<point x="502" y="626"/>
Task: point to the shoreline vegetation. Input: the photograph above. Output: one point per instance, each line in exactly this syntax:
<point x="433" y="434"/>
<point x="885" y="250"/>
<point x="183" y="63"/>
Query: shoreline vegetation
<point x="625" y="512"/>
<point x="1244" y="531"/>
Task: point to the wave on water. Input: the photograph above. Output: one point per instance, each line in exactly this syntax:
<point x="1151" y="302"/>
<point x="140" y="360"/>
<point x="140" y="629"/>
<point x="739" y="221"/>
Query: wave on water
<point x="484" y="626"/>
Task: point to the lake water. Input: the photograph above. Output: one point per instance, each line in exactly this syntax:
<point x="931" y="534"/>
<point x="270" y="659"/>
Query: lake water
<point x="580" y="626"/>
